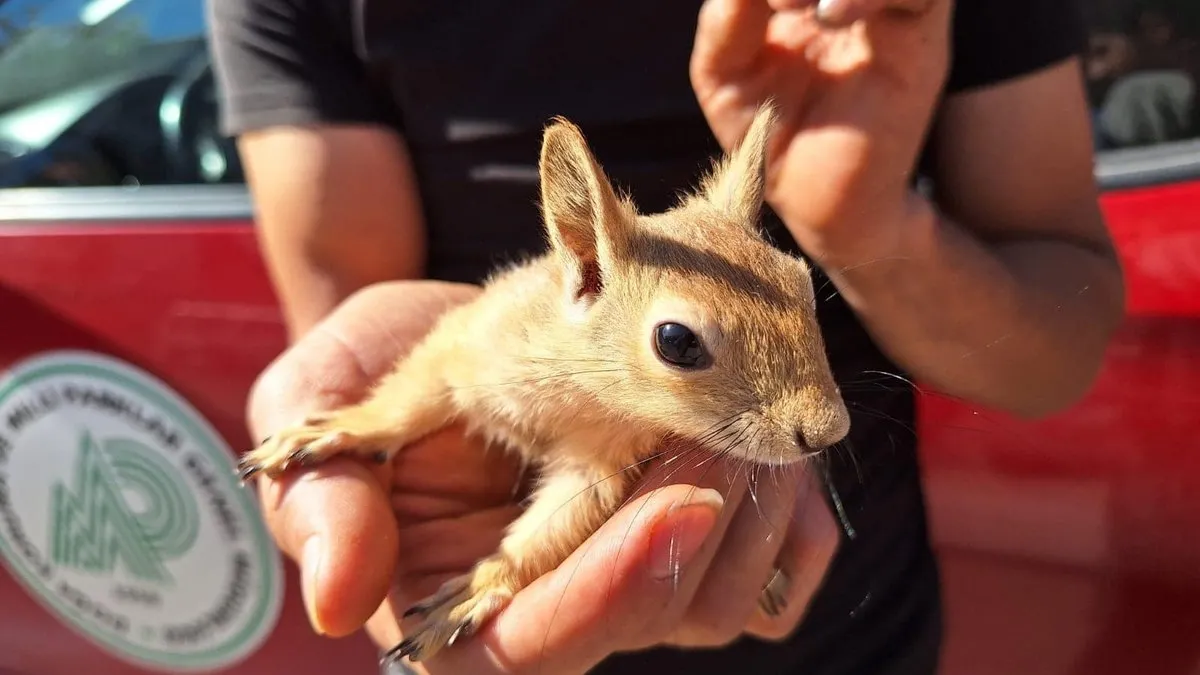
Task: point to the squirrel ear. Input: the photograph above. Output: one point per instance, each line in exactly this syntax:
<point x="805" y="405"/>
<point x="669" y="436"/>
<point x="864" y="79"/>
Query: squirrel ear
<point x="737" y="183"/>
<point x="588" y="225"/>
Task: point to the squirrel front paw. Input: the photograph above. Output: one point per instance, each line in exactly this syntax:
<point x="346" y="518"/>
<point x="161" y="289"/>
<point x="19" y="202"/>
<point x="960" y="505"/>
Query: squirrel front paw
<point x="318" y="439"/>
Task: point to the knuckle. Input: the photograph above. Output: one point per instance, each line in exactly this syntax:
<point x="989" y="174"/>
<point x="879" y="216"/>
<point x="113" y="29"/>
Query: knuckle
<point x="709" y="639"/>
<point x="715" y="629"/>
<point x="773" y="629"/>
<point x="654" y="630"/>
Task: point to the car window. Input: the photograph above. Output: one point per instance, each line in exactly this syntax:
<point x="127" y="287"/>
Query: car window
<point x="120" y="92"/>
<point x="107" y="93"/>
<point x="1142" y="68"/>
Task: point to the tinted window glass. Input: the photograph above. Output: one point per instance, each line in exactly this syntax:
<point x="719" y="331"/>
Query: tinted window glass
<point x="108" y="92"/>
<point x="119" y="92"/>
<point x="1142" y="68"/>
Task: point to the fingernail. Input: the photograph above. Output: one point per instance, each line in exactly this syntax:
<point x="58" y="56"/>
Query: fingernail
<point x="831" y="11"/>
<point x="310" y="570"/>
<point x="679" y="535"/>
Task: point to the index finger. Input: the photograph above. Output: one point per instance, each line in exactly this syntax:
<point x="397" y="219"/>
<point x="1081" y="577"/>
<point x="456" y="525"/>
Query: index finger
<point x="730" y="35"/>
<point x="603" y="599"/>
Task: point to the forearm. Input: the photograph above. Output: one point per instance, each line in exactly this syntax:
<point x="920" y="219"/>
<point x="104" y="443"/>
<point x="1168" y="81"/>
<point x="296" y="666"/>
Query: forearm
<point x="337" y="209"/>
<point x="1018" y="326"/>
<point x="313" y="276"/>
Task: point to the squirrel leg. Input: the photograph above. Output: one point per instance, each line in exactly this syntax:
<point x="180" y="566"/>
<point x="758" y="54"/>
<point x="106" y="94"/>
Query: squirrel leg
<point x="408" y="404"/>
<point x="570" y="504"/>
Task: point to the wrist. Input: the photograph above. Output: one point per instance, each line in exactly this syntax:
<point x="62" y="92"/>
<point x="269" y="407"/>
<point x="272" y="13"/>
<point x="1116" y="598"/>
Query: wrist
<point x="877" y="243"/>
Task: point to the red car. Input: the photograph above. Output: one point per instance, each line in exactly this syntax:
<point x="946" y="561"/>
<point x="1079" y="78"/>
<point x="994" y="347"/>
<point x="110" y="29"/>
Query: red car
<point x="135" y="312"/>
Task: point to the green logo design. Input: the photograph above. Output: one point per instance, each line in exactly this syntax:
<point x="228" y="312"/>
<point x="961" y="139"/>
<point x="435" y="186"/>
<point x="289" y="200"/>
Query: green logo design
<point x="125" y="506"/>
<point x="121" y="514"/>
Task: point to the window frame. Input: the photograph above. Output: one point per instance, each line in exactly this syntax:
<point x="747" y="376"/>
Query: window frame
<point x="1116" y="170"/>
<point x="152" y="205"/>
<point x="1148" y="166"/>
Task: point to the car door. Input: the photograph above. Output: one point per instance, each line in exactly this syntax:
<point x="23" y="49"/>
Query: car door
<point x="1066" y="544"/>
<point x="134" y="315"/>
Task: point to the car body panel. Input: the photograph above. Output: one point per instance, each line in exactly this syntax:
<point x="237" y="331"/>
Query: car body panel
<point x="1067" y="544"/>
<point x="188" y="301"/>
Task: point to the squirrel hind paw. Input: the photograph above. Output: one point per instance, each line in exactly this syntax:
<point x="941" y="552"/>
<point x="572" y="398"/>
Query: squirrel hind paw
<point x="455" y="612"/>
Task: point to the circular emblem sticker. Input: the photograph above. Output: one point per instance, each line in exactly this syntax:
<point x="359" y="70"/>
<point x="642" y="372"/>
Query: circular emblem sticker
<point x="121" y="513"/>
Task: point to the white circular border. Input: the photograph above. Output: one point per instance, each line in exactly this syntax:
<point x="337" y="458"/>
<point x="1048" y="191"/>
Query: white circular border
<point x="269" y="553"/>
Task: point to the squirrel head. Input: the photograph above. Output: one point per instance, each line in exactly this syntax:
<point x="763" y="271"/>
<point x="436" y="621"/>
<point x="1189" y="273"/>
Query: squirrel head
<point x="711" y="329"/>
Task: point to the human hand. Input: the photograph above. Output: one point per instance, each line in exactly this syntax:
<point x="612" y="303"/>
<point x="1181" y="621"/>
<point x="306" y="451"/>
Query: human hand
<point x="372" y="540"/>
<point x="855" y="83"/>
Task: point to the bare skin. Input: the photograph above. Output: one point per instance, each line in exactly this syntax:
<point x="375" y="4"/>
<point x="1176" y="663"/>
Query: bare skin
<point x="1007" y="292"/>
<point x="1005" y="295"/>
<point x="337" y="209"/>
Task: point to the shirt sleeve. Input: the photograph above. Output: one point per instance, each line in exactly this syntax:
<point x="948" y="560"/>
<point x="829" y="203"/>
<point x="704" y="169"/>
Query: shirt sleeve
<point x="292" y="62"/>
<point x="998" y="40"/>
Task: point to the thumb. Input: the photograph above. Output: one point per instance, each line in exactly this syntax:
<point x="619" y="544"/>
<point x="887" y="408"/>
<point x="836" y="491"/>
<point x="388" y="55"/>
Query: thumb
<point x="336" y="522"/>
<point x="604" y="598"/>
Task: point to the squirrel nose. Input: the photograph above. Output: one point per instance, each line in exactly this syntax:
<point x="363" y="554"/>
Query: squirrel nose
<point x="818" y="419"/>
<point x="803" y="443"/>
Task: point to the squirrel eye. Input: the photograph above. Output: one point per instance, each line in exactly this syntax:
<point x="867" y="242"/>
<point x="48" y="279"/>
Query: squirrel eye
<point x="678" y="345"/>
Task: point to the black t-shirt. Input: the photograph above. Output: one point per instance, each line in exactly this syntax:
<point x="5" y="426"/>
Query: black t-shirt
<point x="471" y="85"/>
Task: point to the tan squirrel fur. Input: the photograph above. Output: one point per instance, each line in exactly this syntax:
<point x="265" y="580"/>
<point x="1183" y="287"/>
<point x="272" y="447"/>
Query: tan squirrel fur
<point x="557" y="362"/>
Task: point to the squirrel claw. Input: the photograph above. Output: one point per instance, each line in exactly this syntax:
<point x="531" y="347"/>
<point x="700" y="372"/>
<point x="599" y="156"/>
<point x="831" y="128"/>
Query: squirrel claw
<point x="417" y="609"/>
<point x="465" y="630"/>
<point x="452" y="614"/>
<point x="300" y="456"/>
<point x="408" y="648"/>
<point x="247" y="469"/>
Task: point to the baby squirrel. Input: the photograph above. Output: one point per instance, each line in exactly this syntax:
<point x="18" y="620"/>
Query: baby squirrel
<point x="630" y="330"/>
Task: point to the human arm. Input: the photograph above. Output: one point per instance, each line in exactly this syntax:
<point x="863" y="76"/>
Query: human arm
<point x="1006" y="293"/>
<point x="336" y="201"/>
<point x="337" y="210"/>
